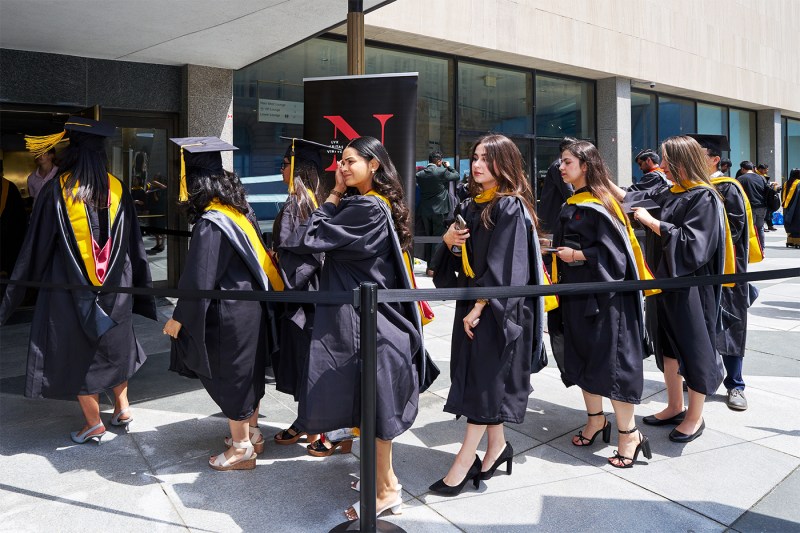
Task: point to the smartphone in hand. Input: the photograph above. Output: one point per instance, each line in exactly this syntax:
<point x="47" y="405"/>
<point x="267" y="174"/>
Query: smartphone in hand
<point x="460" y="224"/>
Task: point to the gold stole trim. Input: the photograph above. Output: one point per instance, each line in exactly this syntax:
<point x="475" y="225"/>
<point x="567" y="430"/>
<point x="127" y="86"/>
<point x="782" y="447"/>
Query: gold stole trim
<point x="3" y="196"/>
<point x="481" y="198"/>
<point x="730" y="252"/>
<point x="79" y="220"/>
<point x="244" y="224"/>
<point x="641" y="265"/>
<point x="787" y="199"/>
<point x="756" y="254"/>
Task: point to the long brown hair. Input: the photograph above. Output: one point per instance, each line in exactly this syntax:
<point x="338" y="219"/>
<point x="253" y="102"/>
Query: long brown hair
<point x="386" y="182"/>
<point x="598" y="177"/>
<point x="685" y="160"/>
<point x="505" y="161"/>
<point x="306" y="185"/>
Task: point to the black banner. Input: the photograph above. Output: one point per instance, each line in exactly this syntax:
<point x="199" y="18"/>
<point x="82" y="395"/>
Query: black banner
<point x="383" y="106"/>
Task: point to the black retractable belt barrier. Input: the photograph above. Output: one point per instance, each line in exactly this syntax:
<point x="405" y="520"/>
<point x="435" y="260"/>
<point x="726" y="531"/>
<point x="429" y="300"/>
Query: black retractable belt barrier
<point x="155" y="230"/>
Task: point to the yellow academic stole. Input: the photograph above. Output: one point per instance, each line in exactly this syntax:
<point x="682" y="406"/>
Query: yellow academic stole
<point x="756" y="254"/>
<point x="787" y="199"/>
<point x="94" y="259"/>
<point x="641" y="266"/>
<point x="730" y="253"/>
<point x="247" y="228"/>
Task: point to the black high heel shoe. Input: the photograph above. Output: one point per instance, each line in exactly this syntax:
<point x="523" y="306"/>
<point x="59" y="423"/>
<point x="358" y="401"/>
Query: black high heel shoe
<point x="506" y="456"/>
<point x="627" y="462"/>
<point x="474" y="474"/>
<point x="605" y="430"/>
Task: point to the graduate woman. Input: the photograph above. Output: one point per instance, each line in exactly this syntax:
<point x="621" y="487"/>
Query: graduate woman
<point x="493" y="340"/>
<point x="363" y="236"/>
<point x="791" y="208"/>
<point x="222" y="342"/>
<point x="694" y="237"/>
<point x="83" y="231"/>
<point x="603" y="332"/>
<point x="301" y="169"/>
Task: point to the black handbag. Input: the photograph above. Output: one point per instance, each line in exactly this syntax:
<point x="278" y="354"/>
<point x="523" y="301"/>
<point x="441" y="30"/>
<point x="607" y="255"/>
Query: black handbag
<point x="773" y="201"/>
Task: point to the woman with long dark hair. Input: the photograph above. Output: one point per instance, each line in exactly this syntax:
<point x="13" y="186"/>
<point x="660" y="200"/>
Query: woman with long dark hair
<point x="494" y="340"/>
<point x="363" y="229"/>
<point x="83" y="231"/>
<point x="790" y="202"/>
<point x="223" y="342"/>
<point x="300" y="169"/>
<point x="694" y="242"/>
<point x="603" y="332"/>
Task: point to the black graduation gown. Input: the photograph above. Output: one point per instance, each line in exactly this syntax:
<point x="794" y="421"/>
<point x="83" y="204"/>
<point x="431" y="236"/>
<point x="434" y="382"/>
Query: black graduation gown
<point x="735" y="300"/>
<point x="13" y="225"/>
<point x="81" y="342"/>
<point x="655" y="183"/>
<point x="552" y="196"/>
<point x="791" y="213"/>
<point x="222" y="342"/>
<point x="692" y="244"/>
<point x="359" y="244"/>
<point x="296" y="320"/>
<point x="490" y="374"/>
<point x="603" y="332"/>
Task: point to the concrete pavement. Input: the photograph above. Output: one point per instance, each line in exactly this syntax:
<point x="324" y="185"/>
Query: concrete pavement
<point x="741" y="475"/>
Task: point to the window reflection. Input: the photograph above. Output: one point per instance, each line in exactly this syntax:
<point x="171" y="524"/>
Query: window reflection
<point x="493" y="99"/>
<point x="564" y="107"/>
<point x="676" y="116"/>
<point x="742" y="137"/>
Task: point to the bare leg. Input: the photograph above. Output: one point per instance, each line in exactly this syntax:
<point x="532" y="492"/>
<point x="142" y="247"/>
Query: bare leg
<point x="625" y="422"/>
<point x="239" y="433"/>
<point x="121" y="399"/>
<point x="694" y="413"/>
<point x="674" y="383"/>
<point x="594" y="404"/>
<point x="466" y="455"/>
<point x="90" y="405"/>
<point x="496" y="445"/>
<point x="385" y="479"/>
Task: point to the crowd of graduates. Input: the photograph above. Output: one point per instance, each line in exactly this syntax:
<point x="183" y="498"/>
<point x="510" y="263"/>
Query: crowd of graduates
<point x="333" y="237"/>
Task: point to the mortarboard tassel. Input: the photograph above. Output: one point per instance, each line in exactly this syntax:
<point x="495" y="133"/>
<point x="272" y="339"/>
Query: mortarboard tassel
<point x="291" y="170"/>
<point x="183" y="194"/>
<point x="39" y="145"/>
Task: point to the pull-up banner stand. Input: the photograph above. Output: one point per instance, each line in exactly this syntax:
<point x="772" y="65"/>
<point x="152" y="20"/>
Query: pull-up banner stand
<point x="339" y="109"/>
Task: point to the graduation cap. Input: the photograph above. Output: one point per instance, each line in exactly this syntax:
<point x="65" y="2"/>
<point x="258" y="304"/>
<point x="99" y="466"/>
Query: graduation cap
<point x="304" y="150"/>
<point x="200" y="154"/>
<point x="715" y="143"/>
<point x="39" y="145"/>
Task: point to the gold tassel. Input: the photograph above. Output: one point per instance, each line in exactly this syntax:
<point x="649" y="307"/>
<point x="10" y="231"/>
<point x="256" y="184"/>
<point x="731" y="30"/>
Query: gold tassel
<point x="183" y="194"/>
<point x="291" y="170"/>
<point x="465" y="266"/>
<point x="38" y="145"/>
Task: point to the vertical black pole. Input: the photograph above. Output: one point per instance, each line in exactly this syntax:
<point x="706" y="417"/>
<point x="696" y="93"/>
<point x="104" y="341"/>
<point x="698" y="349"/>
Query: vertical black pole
<point x="369" y="400"/>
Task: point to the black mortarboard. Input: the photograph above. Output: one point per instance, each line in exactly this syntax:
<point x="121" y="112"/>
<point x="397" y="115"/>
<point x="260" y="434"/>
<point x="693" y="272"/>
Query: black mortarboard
<point x="200" y="154"/>
<point x="715" y="143"/>
<point x="305" y="150"/>
<point x="39" y="145"/>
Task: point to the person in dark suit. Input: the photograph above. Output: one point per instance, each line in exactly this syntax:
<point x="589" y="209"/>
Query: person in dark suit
<point x="434" y="202"/>
<point x="755" y="187"/>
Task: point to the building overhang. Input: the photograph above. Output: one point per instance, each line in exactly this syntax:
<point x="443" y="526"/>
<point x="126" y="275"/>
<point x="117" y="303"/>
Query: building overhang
<point x="176" y="32"/>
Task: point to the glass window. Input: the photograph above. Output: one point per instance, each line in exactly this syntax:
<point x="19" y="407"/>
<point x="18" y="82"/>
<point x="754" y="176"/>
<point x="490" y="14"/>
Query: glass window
<point x="742" y="136"/>
<point x="435" y="123"/>
<point x="564" y="107"/>
<point x="676" y="116"/>
<point x="712" y="119"/>
<point x="493" y="99"/>
<point x="643" y="127"/>
<point x="791" y="145"/>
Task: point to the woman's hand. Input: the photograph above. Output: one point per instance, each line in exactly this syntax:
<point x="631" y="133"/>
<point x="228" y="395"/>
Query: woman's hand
<point x="641" y="215"/>
<point x="569" y="255"/>
<point x="455" y="237"/>
<point x="172" y="327"/>
<point x="472" y="318"/>
<point x="340" y="185"/>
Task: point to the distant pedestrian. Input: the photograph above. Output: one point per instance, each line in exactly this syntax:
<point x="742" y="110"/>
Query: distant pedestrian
<point x="434" y="203"/>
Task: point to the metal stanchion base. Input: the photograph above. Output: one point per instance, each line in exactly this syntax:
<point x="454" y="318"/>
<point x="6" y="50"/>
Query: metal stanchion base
<point x="381" y="525"/>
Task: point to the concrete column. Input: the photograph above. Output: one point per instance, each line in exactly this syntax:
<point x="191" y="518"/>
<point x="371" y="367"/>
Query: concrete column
<point x="208" y="105"/>
<point x="614" y="127"/>
<point x="768" y="141"/>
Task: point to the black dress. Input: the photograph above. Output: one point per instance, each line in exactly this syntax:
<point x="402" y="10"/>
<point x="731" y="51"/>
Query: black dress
<point x="603" y="332"/>
<point x="359" y="244"/>
<point x="296" y="320"/>
<point x="81" y="342"/>
<point x="490" y="374"/>
<point x="222" y="342"/>
<point x="692" y="244"/>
